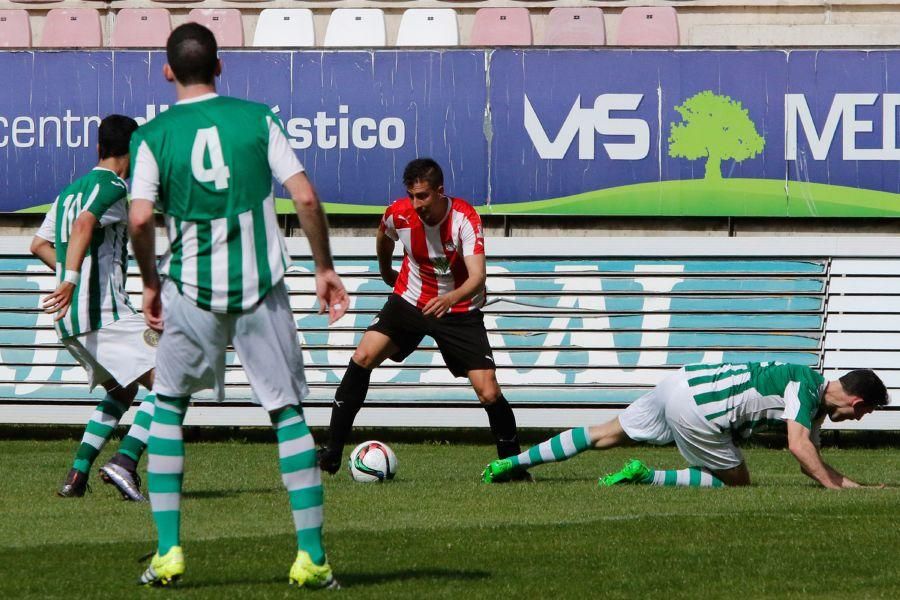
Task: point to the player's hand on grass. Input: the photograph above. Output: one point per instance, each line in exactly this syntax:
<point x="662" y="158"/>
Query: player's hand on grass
<point x="438" y="306"/>
<point x="153" y="314"/>
<point x="59" y="301"/>
<point x="331" y="294"/>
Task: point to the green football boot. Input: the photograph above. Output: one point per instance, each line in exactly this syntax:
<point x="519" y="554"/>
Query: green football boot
<point x="634" y="471"/>
<point x="499" y="470"/>
<point x="164" y="570"/>
<point x="307" y="574"/>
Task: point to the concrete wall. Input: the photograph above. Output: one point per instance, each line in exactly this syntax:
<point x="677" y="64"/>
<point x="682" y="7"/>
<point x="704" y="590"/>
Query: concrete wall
<point x="542" y="226"/>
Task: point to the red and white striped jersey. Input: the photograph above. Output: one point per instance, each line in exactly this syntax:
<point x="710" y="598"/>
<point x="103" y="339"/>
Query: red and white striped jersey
<point x="433" y="262"/>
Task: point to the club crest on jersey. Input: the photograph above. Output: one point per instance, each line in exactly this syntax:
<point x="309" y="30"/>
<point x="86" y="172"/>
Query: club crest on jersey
<point x="441" y="265"/>
<point x="450" y="246"/>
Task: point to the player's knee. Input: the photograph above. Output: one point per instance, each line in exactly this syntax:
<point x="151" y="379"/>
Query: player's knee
<point x="489" y="395"/>
<point x="364" y="359"/>
<point x="124" y="395"/>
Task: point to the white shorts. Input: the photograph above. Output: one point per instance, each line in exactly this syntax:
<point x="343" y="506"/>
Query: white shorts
<point x="122" y="350"/>
<point x="192" y="348"/>
<point x="645" y="419"/>
<point x="669" y="413"/>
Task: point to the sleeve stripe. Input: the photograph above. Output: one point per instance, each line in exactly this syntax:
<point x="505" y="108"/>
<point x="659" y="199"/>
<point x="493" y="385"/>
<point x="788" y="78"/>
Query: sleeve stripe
<point x="792" y="400"/>
<point x="145" y="175"/>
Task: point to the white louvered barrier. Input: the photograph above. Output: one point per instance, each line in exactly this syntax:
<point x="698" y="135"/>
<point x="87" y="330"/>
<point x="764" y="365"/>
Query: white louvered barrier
<point x="580" y="327"/>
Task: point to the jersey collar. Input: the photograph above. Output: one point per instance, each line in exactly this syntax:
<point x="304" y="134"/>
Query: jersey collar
<point x="208" y="96"/>
<point x="444" y="218"/>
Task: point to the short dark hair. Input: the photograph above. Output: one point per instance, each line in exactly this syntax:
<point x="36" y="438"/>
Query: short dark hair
<point x="423" y="169"/>
<point x="114" y="135"/>
<point x="192" y="53"/>
<point x="867" y="385"/>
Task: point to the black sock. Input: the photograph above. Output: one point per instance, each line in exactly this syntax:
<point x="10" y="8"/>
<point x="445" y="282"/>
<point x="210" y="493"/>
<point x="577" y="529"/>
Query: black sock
<point x="348" y="400"/>
<point x="503" y="426"/>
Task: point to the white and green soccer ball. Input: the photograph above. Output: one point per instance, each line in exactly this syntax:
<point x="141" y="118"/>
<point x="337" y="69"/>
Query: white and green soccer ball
<point x="372" y="461"/>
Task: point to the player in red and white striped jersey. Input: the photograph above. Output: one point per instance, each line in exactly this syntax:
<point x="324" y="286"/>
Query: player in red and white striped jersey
<point x="438" y="292"/>
<point x="434" y="263"/>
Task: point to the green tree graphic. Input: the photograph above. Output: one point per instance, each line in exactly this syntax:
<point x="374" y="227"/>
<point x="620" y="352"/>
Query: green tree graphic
<point x="715" y="127"/>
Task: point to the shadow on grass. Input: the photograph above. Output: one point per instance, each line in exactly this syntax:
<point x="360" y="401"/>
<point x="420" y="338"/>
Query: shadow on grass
<point x="230" y="493"/>
<point x="354" y="579"/>
<point x="348" y="580"/>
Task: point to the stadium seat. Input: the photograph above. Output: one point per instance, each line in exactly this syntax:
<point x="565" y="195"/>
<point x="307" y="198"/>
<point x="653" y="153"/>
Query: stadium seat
<point x="428" y="27"/>
<point x="141" y="28"/>
<point x="15" y="29"/>
<point x="501" y="27"/>
<point x="352" y="27"/>
<point x="286" y="27"/>
<point x="72" y="28"/>
<point x="575" y="27"/>
<point x="648" y="26"/>
<point x="225" y="23"/>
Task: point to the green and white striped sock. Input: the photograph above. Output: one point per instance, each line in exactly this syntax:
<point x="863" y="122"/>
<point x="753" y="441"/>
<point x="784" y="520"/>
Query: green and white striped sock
<point x="690" y="477"/>
<point x="302" y="478"/>
<point x="135" y="441"/>
<point x="165" y="468"/>
<point x="564" y="446"/>
<point x="98" y="431"/>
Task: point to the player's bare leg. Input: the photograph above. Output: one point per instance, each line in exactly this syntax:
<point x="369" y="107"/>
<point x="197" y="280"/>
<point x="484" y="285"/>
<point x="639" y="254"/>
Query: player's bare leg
<point x="373" y="349"/>
<point x="738" y="476"/>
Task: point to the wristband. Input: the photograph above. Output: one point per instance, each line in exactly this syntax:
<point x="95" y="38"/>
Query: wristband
<point x="72" y="277"/>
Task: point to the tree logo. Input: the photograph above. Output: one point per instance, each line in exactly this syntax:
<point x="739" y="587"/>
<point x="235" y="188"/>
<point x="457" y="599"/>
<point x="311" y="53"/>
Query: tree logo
<point x="715" y="127"/>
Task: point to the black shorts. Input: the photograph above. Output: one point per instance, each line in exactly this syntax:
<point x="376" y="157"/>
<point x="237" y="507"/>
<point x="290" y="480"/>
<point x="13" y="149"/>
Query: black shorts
<point x="461" y="337"/>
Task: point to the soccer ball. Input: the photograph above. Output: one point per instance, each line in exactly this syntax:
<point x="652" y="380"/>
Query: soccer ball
<point x="372" y="461"/>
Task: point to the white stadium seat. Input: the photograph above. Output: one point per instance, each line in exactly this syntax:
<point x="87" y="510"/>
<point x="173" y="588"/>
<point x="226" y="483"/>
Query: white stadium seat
<point x="355" y="28"/>
<point x="428" y="27"/>
<point x="285" y="27"/>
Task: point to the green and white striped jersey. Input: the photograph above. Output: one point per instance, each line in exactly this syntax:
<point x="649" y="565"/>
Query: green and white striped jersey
<point x="741" y="397"/>
<point x="99" y="297"/>
<point x="208" y="164"/>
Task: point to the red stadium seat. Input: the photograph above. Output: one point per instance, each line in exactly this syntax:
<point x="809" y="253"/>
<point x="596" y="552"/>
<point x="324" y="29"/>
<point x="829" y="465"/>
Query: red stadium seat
<point x="225" y="23"/>
<point x="141" y="28"/>
<point x="501" y="27"/>
<point x="15" y="29"/>
<point x="72" y="28"/>
<point x="575" y="27"/>
<point x="648" y="26"/>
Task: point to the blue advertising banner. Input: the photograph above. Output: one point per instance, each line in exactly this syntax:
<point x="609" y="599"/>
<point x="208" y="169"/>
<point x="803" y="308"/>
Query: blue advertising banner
<point x="518" y="131"/>
<point x="354" y="118"/>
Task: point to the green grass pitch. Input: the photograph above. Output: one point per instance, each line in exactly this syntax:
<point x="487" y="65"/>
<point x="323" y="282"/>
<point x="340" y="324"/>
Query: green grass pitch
<point x="436" y="532"/>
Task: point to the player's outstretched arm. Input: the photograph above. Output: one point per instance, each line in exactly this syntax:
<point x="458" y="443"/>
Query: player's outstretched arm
<point x="384" y="250"/>
<point x="59" y="301"/>
<point x="44" y="250"/>
<point x="42" y="242"/>
<point x="143" y="241"/>
<point x="329" y="288"/>
<point x="811" y="463"/>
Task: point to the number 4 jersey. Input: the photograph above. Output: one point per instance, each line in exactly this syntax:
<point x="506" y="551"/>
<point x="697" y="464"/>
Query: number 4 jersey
<point x="99" y="298"/>
<point x="208" y="164"/>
